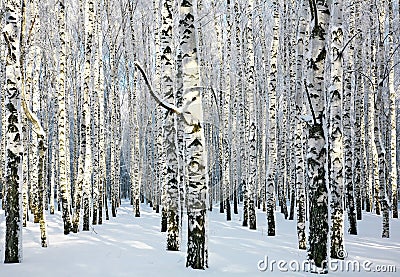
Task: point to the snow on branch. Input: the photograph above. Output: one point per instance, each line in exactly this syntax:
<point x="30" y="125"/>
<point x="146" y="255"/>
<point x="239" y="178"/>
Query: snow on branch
<point x="37" y="127"/>
<point x="159" y="100"/>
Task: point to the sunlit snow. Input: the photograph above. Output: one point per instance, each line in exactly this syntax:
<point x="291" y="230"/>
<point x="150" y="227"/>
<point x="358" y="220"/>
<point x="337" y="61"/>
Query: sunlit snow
<point x="129" y="246"/>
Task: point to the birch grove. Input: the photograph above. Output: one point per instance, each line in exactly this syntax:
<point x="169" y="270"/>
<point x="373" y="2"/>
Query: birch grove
<point x="285" y="109"/>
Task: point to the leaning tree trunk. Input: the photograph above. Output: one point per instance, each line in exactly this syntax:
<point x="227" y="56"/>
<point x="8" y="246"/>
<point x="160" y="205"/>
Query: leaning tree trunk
<point x="38" y="140"/>
<point x="14" y="147"/>
<point x="28" y="52"/>
<point x="316" y="152"/>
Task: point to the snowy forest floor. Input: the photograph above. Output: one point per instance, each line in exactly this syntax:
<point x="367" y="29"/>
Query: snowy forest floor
<point x="129" y="246"/>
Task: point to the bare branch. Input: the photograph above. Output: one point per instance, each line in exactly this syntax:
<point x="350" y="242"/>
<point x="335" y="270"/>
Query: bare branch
<point x="159" y="100"/>
<point x="37" y="127"/>
<point x="309" y="102"/>
<point x="348" y="42"/>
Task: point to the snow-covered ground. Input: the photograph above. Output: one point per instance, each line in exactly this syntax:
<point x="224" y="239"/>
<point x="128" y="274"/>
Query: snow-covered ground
<point x="129" y="246"/>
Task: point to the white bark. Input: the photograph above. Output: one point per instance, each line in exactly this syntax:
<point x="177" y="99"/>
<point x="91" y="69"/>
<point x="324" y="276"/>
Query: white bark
<point x="336" y="130"/>
<point x="298" y="145"/>
<point x="102" y="124"/>
<point x="87" y="91"/>
<point x="62" y="120"/>
<point x="135" y="148"/>
<point x="316" y="152"/>
<point x="393" y="114"/>
<point x="272" y="144"/>
<point x="14" y="147"/>
<point x="169" y="132"/>
<point x="348" y="117"/>
<point x="251" y="131"/>
<point x="378" y="130"/>
<point x="197" y="252"/>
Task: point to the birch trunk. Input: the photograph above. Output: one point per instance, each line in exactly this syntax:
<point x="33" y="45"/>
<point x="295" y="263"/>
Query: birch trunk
<point x="102" y="123"/>
<point x="62" y="120"/>
<point x="197" y="252"/>
<point x="379" y="140"/>
<point x="241" y="122"/>
<point x="38" y="140"/>
<point x="251" y="131"/>
<point x="220" y="78"/>
<point x="53" y="169"/>
<point x="298" y="145"/>
<point x="95" y="118"/>
<point x="282" y="108"/>
<point x="112" y="114"/>
<point x="349" y="152"/>
<point x="26" y="81"/>
<point x="360" y="162"/>
<point x="393" y="114"/>
<point x="316" y="152"/>
<point x="272" y="144"/>
<point x="336" y="131"/>
<point x="227" y="113"/>
<point x="170" y="139"/>
<point x="14" y="147"/>
<point x="135" y="148"/>
<point x="293" y="18"/>
<point x="3" y="147"/>
<point x="89" y="19"/>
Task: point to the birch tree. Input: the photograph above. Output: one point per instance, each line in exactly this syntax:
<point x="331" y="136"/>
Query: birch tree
<point x="61" y="119"/>
<point x="336" y="129"/>
<point x="250" y="94"/>
<point x="135" y="160"/>
<point x="95" y="117"/>
<point x="102" y="127"/>
<point x="14" y="147"/>
<point x="392" y="112"/>
<point x="197" y="252"/>
<point x="89" y="19"/>
<point x="272" y="152"/>
<point x="316" y="152"/>
<point x="360" y="162"/>
<point x="191" y="113"/>
<point x="38" y="141"/>
<point x="348" y="87"/>
<point x="299" y="159"/>
<point x="169" y="132"/>
<point x="378" y="127"/>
